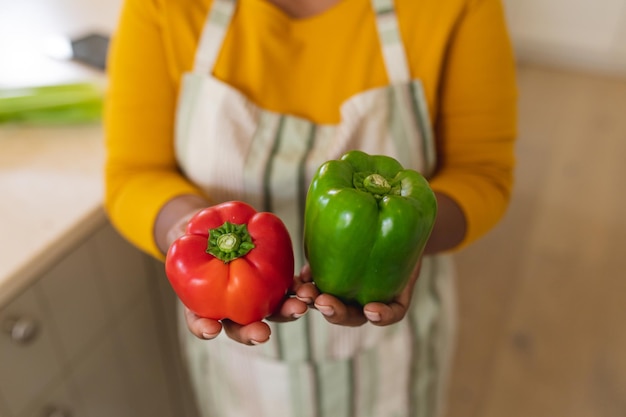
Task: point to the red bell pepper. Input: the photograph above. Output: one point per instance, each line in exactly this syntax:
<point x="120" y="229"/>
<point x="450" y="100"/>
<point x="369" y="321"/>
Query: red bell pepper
<point x="232" y="263"/>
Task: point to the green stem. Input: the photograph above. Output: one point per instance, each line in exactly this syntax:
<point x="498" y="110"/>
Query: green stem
<point x="375" y="184"/>
<point x="229" y="241"/>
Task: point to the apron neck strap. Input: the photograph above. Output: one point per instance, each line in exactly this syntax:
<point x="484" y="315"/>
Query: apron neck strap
<point x="213" y="35"/>
<point x="222" y="11"/>
<point x="392" y="46"/>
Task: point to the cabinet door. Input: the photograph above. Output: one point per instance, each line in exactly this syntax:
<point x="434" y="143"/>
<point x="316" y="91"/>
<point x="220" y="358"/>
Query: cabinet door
<point x="126" y="373"/>
<point x="121" y="269"/>
<point x="104" y="340"/>
<point x="144" y="362"/>
<point x="29" y="359"/>
<point x="123" y="376"/>
<point x="74" y="296"/>
<point x="4" y="411"/>
<point x="101" y="383"/>
<point x="60" y="401"/>
<point x="167" y="309"/>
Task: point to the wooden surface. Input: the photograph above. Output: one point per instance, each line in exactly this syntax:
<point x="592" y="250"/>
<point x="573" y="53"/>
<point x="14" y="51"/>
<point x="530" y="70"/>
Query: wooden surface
<point x="543" y="297"/>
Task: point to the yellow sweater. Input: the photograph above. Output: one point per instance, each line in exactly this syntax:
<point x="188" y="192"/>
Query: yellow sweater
<point x="459" y="49"/>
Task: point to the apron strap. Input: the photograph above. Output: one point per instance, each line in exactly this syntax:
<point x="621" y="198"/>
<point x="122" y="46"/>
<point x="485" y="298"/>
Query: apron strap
<point x="222" y="11"/>
<point x="391" y="41"/>
<point x="213" y="35"/>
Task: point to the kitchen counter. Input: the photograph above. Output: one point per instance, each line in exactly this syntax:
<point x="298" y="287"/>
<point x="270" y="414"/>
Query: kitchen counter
<point x="50" y="176"/>
<point x="88" y="322"/>
<point x="51" y="193"/>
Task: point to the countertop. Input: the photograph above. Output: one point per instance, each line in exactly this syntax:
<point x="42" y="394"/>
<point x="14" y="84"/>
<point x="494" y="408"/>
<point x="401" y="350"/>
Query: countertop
<point x="50" y="176"/>
<point x="51" y="194"/>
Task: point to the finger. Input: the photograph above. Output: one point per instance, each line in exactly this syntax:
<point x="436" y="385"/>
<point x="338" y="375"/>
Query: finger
<point x="303" y="279"/>
<point x="307" y="293"/>
<point x="290" y="310"/>
<point x="305" y="273"/>
<point x="250" y="334"/>
<point x="382" y="314"/>
<point x="298" y="280"/>
<point x="336" y="312"/>
<point x="385" y="314"/>
<point x="201" y="327"/>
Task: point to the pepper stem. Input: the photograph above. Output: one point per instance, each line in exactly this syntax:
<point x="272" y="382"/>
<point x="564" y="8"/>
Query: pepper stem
<point x="229" y="241"/>
<point x="375" y="184"/>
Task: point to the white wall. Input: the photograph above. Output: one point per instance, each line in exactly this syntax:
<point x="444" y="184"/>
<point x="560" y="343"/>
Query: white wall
<point x="580" y="34"/>
<point x="29" y="27"/>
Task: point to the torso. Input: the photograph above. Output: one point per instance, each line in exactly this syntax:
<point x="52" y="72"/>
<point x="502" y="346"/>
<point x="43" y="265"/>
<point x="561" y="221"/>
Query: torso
<point x="299" y="66"/>
<point x="233" y="147"/>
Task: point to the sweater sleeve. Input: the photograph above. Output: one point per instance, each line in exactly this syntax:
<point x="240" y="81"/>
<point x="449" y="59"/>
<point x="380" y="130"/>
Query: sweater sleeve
<point x="141" y="174"/>
<point x="476" y="123"/>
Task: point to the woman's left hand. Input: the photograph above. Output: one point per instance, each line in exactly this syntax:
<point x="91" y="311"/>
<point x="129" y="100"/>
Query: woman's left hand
<point x="259" y="332"/>
<point x="251" y="334"/>
<point x="337" y="312"/>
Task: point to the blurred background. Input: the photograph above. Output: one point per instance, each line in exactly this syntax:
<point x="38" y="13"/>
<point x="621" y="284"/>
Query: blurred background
<point x="542" y="306"/>
<point x="541" y="298"/>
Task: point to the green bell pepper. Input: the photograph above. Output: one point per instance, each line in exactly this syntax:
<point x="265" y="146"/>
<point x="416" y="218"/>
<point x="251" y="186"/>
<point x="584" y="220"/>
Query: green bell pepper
<point x="367" y="220"/>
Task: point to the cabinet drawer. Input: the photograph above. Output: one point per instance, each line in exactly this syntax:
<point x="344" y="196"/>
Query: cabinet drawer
<point x="29" y="359"/>
<point x="123" y="376"/>
<point x="104" y="345"/>
<point x="60" y="401"/>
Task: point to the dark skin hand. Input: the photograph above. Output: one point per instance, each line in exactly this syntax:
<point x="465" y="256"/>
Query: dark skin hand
<point x="250" y="334"/>
<point x="448" y="232"/>
<point x="336" y="312"/>
<point x="170" y="224"/>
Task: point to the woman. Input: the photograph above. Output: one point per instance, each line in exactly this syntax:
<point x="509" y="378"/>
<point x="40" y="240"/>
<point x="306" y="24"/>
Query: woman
<point x="217" y="100"/>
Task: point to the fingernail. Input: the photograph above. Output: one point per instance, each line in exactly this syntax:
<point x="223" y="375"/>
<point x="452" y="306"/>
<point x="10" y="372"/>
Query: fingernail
<point x="298" y="315"/>
<point x="372" y="316"/>
<point x="305" y="300"/>
<point x="325" y="310"/>
<point x="209" y="335"/>
<point x="256" y="342"/>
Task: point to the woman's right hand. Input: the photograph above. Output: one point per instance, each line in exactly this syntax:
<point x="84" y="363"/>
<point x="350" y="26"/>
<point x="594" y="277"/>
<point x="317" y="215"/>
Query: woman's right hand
<point x="337" y="312"/>
<point x="171" y="224"/>
<point x="251" y="334"/>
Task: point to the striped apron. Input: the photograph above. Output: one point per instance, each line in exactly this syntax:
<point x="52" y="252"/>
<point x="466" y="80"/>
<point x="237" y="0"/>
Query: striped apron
<point x="234" y="150"/>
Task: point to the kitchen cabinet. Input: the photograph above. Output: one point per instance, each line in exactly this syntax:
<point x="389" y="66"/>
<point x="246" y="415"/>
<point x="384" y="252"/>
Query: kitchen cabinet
<point x="93" y="336"/>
